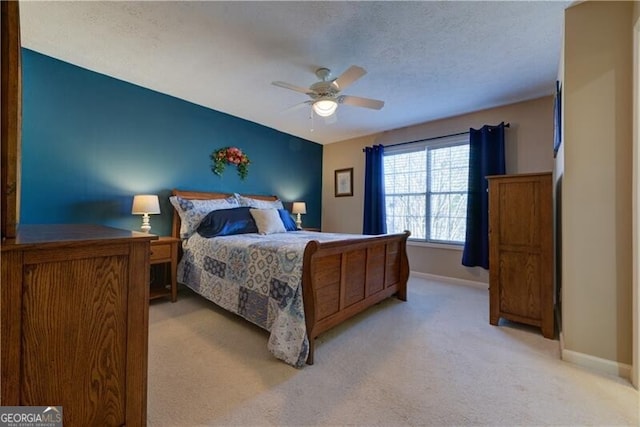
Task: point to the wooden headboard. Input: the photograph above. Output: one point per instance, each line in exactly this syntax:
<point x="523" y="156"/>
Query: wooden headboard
<point x="202" y="195"/>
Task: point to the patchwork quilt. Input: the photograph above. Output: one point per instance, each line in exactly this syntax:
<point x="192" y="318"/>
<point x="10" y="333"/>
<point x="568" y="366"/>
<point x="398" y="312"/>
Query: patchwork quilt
<point x="258" y="277"/>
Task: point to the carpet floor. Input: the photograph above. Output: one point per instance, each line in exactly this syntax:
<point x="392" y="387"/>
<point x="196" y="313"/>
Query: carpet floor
<point x="434" y="360"/>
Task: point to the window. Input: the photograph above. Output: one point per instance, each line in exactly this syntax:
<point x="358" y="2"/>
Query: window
<point x="426" y="189"/>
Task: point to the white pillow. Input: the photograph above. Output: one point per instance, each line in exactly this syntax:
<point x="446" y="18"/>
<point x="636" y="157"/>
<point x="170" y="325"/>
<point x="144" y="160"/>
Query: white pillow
<point x="268" y="221"/>
<point x="257" y="203"/>
<point x="192" y="212"/>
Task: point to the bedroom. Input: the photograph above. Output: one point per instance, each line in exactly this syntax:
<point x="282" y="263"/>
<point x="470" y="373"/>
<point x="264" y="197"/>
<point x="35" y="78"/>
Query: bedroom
<point x="138" y="143"/>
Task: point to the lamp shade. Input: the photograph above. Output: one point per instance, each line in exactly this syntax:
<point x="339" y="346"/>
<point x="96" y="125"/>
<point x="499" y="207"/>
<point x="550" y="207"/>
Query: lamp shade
<point x="299" y="208"/>
<point x="145" y="204"/>
<point x="324" y="107"/>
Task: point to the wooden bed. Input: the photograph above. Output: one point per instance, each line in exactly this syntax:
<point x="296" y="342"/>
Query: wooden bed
<point x="342" y="278"/>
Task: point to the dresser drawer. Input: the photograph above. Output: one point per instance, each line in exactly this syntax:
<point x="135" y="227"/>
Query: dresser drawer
<point x="160" y="251"/>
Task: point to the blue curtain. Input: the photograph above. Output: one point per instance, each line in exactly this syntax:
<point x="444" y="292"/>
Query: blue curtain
<point x="375" y="218"/>
<point x="486" y="157"/>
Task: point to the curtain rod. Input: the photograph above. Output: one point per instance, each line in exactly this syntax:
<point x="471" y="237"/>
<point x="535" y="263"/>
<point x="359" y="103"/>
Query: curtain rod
<point x="434" y="138"/>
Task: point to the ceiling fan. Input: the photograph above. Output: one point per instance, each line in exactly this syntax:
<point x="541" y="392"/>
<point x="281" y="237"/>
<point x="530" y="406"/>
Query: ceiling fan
<point x="325" y="94"/>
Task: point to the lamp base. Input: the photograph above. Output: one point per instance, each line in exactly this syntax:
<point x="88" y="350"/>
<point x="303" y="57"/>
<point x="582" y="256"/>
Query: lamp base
<point x="299" y="222"/>
<point x="146" y="226"/>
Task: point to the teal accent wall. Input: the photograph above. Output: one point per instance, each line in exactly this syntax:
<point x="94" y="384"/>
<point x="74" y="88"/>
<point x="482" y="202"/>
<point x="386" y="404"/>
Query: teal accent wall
<point x="90" y="142"/>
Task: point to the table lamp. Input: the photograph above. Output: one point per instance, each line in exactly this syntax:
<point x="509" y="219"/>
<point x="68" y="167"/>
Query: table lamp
<point x="298" y="209"/>
<point x="145" y="204"/>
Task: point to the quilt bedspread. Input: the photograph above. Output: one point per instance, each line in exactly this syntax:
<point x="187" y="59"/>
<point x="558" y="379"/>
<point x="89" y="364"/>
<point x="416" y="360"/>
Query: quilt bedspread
<point x="258" y="277"/>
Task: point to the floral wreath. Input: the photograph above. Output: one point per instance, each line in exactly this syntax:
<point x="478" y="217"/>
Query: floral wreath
<point x="230" y="156"/>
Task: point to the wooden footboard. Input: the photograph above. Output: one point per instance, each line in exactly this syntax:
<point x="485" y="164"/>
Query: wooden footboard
<point x="344" y="278"/>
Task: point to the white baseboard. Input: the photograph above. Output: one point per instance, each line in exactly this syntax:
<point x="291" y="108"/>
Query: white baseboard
<point x="448" y="279"/>
<point x="604" y="366"/>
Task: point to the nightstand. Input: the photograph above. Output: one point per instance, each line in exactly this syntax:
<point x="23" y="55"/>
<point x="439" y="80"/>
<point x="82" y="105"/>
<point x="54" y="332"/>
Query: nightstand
<point x="164" y="265"/>
<point x="310" y="229"/>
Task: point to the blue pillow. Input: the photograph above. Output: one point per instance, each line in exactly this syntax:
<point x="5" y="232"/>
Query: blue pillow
<point x="227" y="222"/>
<point x="289" y="223"/>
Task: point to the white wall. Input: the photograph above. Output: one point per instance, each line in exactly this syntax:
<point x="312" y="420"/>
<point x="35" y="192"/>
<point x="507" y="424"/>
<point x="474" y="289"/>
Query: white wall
<point x="529" y="148"/>
<point x="596" y="186"/>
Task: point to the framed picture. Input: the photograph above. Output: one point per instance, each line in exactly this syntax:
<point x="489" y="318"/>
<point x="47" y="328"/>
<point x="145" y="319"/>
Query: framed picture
<point x="557" y="119"/>
<point x="344" y="182"/>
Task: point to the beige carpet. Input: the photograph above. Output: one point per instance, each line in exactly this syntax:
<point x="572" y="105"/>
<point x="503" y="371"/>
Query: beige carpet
<point x="433" y="360"/>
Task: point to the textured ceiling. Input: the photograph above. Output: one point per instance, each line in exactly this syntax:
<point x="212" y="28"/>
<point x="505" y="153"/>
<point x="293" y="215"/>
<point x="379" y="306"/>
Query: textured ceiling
<point x="426" y="60"/>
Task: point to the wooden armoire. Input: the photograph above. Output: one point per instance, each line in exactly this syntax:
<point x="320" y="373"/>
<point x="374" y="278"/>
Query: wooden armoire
<point x="521" y="250"/>
<point x="73" y="298"/>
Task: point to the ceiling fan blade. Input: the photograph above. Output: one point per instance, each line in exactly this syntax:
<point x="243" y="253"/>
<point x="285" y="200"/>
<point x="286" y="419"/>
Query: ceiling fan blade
<point x="292" y="87"/>
<point x="297" y="106"/>
<point x="356" y="101"/>
<point x="352" y="74"/>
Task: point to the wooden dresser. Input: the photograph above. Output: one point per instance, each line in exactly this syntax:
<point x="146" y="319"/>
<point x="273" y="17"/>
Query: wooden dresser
<point x="521" y="250"/>
<point x="75" y="322"/>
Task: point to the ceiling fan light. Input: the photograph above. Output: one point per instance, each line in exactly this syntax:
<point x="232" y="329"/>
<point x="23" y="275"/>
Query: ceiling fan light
<point x="325" y="107"/>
